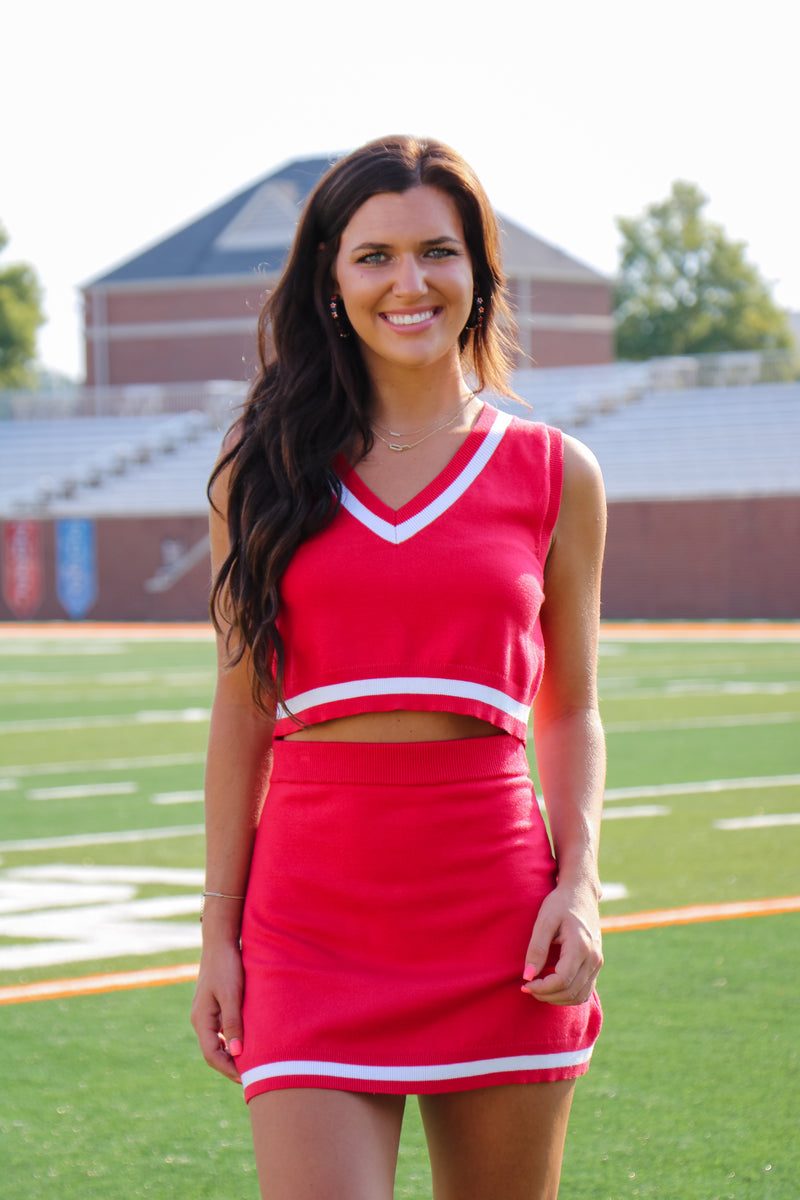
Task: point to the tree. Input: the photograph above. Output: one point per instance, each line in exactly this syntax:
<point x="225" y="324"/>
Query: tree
<point x="20" y="317"/>
<point x="684" y="287"/>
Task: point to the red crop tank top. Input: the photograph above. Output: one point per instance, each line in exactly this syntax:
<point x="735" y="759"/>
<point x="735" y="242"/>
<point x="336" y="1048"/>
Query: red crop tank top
<point x="435" y="606"/>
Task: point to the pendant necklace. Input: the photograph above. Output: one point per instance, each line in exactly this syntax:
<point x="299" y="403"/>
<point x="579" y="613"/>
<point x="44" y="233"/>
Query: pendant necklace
<point x="399" y="447"/>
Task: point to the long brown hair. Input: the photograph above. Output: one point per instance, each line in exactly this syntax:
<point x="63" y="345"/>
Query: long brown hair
<point x="311" y="397"/>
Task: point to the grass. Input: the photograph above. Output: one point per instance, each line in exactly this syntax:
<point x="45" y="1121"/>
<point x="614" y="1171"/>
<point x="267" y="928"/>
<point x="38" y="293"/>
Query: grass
<point x="692" y="1093"/>
<point x="694" y="1087"/>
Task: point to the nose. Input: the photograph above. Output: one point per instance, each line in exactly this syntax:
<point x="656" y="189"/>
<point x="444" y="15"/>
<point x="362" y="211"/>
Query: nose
<point x="410" y="277"/>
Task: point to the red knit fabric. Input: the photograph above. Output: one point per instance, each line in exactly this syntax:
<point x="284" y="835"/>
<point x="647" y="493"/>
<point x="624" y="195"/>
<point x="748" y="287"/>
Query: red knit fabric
<point x="393" y="888"/>
<point x="392" y="894"/>
<point x="433" y="607"/>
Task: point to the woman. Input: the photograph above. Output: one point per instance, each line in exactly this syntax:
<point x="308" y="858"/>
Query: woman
<point x="383" y="542"/>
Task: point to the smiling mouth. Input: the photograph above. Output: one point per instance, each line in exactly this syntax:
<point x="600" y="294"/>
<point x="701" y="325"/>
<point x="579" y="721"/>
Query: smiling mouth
<point x="409" y="318"/>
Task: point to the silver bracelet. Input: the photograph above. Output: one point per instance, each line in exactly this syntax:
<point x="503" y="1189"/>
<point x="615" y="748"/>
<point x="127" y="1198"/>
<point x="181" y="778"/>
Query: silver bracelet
<point x="219" y="896"/>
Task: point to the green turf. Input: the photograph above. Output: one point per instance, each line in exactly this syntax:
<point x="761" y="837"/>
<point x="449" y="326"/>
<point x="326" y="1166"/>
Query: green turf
<point x="692" y="1093"/>
<point x="694" y="1086"/>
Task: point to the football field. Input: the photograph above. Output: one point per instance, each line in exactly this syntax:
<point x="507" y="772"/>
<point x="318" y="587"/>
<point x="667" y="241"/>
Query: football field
<point x="694" y="1088"/>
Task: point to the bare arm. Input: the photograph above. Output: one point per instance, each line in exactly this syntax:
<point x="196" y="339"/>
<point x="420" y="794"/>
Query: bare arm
<point x="237" y="775"/>
<point x="570" y="748"/>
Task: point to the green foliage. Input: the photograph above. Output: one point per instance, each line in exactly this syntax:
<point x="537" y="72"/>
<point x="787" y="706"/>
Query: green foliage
<point x="684" y="287"/>
<point x="20" y="317"/>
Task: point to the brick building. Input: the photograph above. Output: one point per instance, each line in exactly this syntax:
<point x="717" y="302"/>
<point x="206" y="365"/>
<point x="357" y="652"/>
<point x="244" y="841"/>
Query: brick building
<point x="185" y="309"/>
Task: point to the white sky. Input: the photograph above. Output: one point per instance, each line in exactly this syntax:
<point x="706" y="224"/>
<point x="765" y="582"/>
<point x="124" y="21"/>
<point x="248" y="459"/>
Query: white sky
<point x="123" y="122"/>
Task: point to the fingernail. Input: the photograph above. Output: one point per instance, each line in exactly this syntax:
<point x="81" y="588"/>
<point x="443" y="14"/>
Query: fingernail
<point x="529" y="972"/>
<point x="235" y="1047"/>
<point x="525" y="991"/>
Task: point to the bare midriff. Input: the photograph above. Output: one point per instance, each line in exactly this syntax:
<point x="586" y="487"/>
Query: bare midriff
<point x="399" y="726"/>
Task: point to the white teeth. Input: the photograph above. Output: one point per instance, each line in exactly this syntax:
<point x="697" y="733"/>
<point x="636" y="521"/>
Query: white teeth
<point x="409" y="318"/>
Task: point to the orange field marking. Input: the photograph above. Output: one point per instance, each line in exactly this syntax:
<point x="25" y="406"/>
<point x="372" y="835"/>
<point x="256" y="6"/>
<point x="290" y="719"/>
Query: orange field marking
<point x="610" y="630"/>
<point x="140" y="630"/>
<point x="701" y="631"/>
<point x="88" y="985"/>
<point x="700" y="912"/>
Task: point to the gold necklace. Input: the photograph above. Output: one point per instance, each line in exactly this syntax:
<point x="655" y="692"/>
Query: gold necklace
<point x="462" y="404"/>
<point x="399" y="447"/>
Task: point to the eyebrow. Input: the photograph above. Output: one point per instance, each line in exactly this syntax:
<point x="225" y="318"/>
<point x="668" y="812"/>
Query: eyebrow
<point x="437" y="241"/>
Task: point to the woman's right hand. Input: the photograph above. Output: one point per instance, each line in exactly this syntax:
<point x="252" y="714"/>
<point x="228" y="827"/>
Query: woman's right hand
<point x="217" y="1007"/>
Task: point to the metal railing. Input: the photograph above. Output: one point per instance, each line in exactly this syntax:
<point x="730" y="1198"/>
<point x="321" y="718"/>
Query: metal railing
<point x="215" y="399"/>
<point x="218" y="399"/>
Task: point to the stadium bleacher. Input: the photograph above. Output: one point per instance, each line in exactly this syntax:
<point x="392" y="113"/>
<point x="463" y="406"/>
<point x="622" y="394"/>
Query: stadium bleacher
<point x="701" y="443"/>
<point x="106" y="465"/>
<point x="686" y="443"/>
<point x="657" y="433"/>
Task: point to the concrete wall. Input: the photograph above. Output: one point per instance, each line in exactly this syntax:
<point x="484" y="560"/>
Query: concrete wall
<point x="733" y="558"/>
<point x="665" y="559"/>
<point x="131" y="551"/>
<point x="201" y="329"/>
<point x="180" y="333"/>
<point x="564" y="323"/>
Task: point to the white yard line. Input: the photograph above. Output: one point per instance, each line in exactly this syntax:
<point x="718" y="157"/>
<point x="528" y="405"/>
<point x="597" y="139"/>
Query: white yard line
<point x="195" y="797"/>
<point x="103" y="839"/>
<point x="81" y="791"/>
<point x="177" y="716"/>
<point x="763" y="821"/>
<point x="755" y="783"/>
<point x="133" y="678"/>
<point x="725" y="722"/>
<point x="100" y="873"/>
<point x="22" y="770"/>
<point x="639" y="810"/>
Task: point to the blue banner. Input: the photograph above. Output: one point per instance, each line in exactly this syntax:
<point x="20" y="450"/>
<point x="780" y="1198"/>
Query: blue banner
<point x="76" y="565"/>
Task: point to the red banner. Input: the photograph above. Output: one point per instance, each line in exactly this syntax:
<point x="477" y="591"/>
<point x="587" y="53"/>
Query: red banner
<point x="22" y="567"/>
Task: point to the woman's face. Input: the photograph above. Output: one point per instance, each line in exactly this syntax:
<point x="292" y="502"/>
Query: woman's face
<point x="405" y="275"/>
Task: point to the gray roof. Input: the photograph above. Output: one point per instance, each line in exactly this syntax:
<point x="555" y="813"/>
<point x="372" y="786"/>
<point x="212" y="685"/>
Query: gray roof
<point x="528" y="256"/>
<point x="254" y="230"/>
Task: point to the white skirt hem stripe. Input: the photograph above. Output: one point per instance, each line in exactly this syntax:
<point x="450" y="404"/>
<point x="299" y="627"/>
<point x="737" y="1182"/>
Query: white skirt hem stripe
<point x="417" y="1074"/>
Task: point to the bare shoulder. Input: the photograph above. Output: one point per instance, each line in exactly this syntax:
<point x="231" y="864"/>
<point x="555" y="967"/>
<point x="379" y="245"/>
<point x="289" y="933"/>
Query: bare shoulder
<point x="582" y="473"/>
<point x="231" y="439"/>
<point x="582" y="515"/>
<point x="572" y="577"/>
<point x="230" y="442"/>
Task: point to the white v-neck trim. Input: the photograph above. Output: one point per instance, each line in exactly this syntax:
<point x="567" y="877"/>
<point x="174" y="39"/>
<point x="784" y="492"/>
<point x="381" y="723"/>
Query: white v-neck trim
<point x="427" y="515"/>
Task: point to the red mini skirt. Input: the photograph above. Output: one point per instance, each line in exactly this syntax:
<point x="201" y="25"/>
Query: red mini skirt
<point x="391" y="899"/>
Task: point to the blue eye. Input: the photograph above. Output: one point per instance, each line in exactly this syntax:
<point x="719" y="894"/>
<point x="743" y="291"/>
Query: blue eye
<point x="373" y="258"/>
<point x="441" y="252"/>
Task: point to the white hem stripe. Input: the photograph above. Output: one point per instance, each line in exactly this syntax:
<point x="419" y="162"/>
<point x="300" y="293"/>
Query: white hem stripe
<point x="406" y="529"/>
<point x="417" y="1074"/>
<point x="410" y="685"/>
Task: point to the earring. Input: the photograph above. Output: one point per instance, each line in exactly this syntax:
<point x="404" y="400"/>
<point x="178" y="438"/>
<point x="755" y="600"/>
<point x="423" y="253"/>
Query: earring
<point x="476" y="314"/>
<point x="339" y="318"/>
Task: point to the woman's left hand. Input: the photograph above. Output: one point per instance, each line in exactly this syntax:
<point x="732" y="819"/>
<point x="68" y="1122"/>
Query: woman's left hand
<point x="568" y="921"/>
